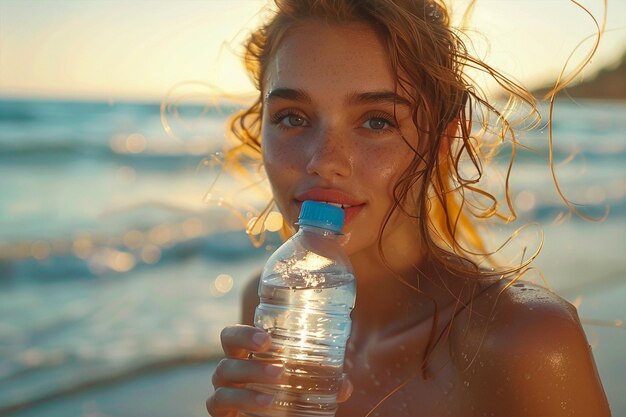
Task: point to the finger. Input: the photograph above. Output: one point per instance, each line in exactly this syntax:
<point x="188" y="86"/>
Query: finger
<point x="239" y="340"/>
<point x="225" y="401"/>
<point x="345" y="390"/>
<point x="231" y="372"/>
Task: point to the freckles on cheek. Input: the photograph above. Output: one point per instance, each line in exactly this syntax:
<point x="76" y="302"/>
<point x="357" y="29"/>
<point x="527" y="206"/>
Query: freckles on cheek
<point x="279" y="159"/>
<point x="278" y="156"/>
<point x="388" y="166"/>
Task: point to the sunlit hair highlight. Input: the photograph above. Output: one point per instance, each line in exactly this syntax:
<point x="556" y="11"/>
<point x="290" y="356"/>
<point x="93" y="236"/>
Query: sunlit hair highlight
<point x="423" y="51"/>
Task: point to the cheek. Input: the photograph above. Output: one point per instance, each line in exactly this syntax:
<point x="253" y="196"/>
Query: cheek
<point x="279" y="158"/>
<point x="384" y="167"/>
<point x="282" y="162"/>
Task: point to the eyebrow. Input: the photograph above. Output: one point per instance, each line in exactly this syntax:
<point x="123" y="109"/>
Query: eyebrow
<point x="288" y="94"/>
<point x="373" y="97"/>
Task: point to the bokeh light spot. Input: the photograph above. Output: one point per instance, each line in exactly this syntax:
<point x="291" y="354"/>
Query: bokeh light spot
<point x="133" y="239"/>
<point x="223" y="283"/>
<point x="150" y="254"/>
<point x="255" y="226"/>
<point x="274" y="221"/>
<point x="82" y="247"/>
<point x="160" y="235"/>
<point x="122" y="262"/>
<point x="135" y="143"/>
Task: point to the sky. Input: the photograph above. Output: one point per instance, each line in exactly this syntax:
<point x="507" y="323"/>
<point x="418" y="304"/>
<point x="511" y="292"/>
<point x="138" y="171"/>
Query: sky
<point x="143" y="49"/>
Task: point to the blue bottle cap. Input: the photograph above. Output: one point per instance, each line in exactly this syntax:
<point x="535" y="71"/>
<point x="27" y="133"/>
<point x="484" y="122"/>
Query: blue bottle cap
<point x="326" y="216"/>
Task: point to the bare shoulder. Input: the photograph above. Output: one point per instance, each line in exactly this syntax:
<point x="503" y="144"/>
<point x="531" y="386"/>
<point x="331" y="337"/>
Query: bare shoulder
<point x="519" y="314"/>
<point x="521" y="351"/>
<point x="249" y="300"/>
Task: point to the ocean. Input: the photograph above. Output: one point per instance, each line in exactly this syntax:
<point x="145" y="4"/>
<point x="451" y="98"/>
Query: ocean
<point x="117" y="271"/>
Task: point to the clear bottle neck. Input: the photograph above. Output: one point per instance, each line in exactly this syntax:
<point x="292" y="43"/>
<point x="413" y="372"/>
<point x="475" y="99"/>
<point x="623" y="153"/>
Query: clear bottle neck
<point x="318" y="231"/>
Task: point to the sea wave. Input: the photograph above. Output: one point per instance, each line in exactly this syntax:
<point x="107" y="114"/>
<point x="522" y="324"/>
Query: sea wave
<point x="86" y="257"/>
<point x="66" y="153"/>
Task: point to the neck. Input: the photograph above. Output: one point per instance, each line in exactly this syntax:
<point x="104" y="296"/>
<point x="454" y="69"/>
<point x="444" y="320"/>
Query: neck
<point x="402" y="286"/>
<point x="402" y="293"/>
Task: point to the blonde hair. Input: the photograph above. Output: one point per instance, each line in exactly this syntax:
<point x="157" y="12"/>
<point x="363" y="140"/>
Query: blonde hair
<point x="428" y="59"/>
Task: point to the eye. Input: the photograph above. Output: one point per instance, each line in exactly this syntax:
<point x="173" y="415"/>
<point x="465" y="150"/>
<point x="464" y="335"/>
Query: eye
<point x="293" y="120"/>
<point x="378" y="122"/>
<point x="289" y="119"/>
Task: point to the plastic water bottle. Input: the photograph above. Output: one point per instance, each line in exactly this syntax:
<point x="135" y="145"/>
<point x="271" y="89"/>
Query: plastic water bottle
<point x="307" y="292"/>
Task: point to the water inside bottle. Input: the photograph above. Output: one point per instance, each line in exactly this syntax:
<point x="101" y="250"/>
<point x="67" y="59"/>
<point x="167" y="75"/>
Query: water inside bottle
<point x="309" y="329"/>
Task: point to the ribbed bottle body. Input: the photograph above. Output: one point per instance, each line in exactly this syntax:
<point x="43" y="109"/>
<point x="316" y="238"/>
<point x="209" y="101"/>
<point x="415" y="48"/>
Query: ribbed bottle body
<point x="307" y="292"/>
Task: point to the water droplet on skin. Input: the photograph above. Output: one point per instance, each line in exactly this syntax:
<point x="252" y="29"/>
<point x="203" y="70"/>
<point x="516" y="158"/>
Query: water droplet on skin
<point x="526" y="377"/>
<point x="402" y="348"/>
<point x="466" y="383"/>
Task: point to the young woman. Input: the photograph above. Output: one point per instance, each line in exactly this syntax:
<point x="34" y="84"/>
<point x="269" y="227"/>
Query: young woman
<point x="365" y="104"/>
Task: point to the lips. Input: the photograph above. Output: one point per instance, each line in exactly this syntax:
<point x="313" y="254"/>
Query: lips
<point x="351" y="205"/>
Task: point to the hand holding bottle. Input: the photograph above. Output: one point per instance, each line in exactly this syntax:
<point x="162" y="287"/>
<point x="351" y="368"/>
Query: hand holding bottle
<point x="235" y="371"/>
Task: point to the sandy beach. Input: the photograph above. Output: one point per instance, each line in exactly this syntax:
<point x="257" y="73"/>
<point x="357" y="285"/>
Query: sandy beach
<point x="178" y="391"/>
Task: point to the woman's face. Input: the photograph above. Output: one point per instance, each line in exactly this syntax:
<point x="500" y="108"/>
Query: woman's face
<point x="329" y="132"/>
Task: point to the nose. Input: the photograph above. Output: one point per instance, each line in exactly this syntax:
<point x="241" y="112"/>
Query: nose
<point x="330" y="155"/>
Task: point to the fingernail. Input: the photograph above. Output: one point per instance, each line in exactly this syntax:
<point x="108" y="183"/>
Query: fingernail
<point x="260" y="338"/>
<point x="264" y="399"/>
<point x="274" y="370"/>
